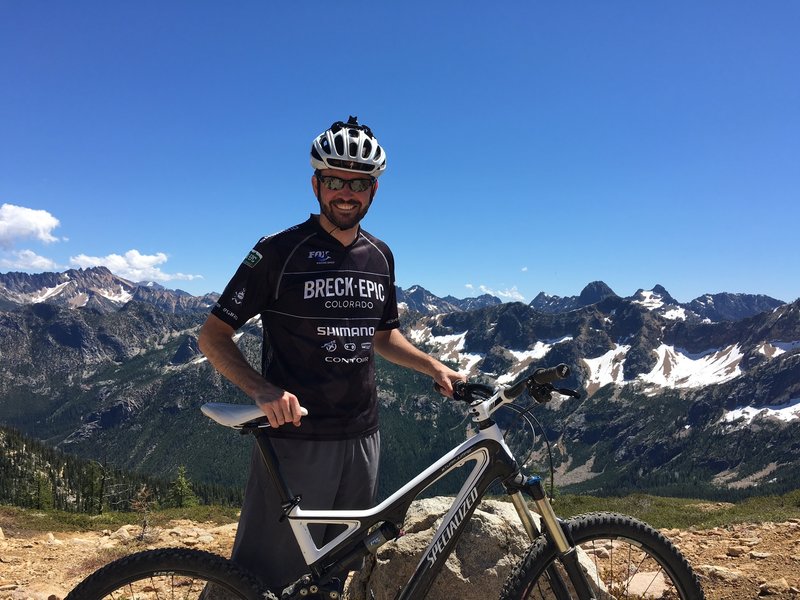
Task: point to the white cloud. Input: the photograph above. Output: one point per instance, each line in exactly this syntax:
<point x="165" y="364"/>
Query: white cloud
<point x="133" y="265"/>
<point x="27" y="260"/>
<point x="509" y="295"/>
<point x="18" y="222"/>
<point x="524" y="269"/>
<point x="512" y="294"/>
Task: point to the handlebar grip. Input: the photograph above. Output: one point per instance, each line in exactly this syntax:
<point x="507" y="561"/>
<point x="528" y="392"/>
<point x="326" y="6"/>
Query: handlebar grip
<point x="550" y="374"/>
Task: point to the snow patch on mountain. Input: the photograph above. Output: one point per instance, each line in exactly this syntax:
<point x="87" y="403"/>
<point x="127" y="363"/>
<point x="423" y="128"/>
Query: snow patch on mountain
<point x="675" y="368"/>
<point x="45" y="294"/>
<point x="606" y="369"/>
<point x="120" y="296"/>
<point x="785" y="412"/>
<point x="525" y="357"/>
<point x="676" y="313"/>
<point x="774" y="348"/>
<point x="447" y="347"/>
<point x="650" y="300"/>
<point x="681" y="369"/>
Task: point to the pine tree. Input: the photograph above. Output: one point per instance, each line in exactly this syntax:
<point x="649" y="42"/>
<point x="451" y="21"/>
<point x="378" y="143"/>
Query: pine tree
<point x="180" y="494"/>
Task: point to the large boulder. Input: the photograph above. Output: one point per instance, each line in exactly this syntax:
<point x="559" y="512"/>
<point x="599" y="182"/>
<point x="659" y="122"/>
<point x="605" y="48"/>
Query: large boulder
<point x="492" y="543"/>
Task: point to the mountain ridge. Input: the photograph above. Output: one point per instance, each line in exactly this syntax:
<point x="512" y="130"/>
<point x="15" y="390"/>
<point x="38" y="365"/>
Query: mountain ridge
<point x="123" y="382"/>
<point x="99" y="288"/>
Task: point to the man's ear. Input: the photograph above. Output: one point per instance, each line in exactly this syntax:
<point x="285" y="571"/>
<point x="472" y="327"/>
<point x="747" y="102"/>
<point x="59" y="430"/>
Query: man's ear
<point x="315" y="184"/>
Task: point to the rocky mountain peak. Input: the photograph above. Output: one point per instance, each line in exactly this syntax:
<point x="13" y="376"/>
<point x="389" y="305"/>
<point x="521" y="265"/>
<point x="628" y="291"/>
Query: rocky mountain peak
<point x="595" y="292"/>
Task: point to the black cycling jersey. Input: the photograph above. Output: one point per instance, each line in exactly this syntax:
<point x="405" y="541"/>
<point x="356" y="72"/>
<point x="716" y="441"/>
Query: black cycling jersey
<point x="320" y="305"/>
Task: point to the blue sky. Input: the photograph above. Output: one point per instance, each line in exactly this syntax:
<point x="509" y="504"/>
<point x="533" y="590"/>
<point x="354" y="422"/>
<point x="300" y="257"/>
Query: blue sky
<point x="532" y="146"/>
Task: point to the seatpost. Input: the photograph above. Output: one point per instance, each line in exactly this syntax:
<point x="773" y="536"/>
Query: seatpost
<point x="288" y="500"/>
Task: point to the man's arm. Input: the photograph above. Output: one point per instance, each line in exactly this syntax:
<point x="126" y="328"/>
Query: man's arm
<point x="216" y="342"/>
<point x="393" y="345"/>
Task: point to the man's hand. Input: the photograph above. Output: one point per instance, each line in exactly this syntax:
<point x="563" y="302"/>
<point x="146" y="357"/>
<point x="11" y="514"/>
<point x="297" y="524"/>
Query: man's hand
<point x="280" y="406"/>
<point x="216" y="342"/>
<point x="444" y="378"/>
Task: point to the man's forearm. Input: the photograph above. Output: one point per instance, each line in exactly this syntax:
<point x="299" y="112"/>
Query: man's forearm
<point x="394" y="347"/>
<point x="216" y="343"/>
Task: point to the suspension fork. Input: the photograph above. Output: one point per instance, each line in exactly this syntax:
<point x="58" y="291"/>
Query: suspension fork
<point x="555" y="530"/>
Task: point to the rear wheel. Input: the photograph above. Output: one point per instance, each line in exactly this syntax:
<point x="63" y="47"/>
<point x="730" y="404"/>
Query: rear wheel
<point x="622" y="557"/>
<point x="169" y="573"/>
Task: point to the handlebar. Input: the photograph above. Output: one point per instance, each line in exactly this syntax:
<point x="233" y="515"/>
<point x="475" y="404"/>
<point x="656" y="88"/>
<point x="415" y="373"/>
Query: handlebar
<point x="538" y="385"/>
<point x="550" y="374"/>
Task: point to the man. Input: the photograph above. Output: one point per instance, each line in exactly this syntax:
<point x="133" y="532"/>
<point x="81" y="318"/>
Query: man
<point x="326" y="296"/>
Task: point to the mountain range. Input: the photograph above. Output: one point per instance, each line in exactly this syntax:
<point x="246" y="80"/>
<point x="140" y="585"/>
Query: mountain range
<point x="701" y="396"/>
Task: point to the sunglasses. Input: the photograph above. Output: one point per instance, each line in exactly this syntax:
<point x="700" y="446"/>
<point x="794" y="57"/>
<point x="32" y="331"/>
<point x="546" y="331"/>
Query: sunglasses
<point x="337" y="183"/>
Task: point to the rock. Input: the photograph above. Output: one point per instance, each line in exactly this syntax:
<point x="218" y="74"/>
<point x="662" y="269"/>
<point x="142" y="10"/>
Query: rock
<point x="736" y="551"/>
<point x="758" y="555"/>
<point x="123" y="534"/>
<point x="491" y="544"/>
<point x="717" y="572"/>
<point x="776" y="586"/>
<point x="2" y="537"/>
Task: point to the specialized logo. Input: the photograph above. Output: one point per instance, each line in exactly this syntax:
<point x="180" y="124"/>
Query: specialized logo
<point x="452" y="526"/>
<point x="253" y="258"/>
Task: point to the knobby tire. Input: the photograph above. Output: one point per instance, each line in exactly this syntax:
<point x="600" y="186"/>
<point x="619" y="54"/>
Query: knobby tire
<point x="624" y="558"/>
<point x="169" y="573"/>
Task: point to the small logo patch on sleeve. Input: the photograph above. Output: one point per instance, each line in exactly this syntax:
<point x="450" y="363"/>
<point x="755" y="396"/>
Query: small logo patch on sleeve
<point x="252" y="259"/>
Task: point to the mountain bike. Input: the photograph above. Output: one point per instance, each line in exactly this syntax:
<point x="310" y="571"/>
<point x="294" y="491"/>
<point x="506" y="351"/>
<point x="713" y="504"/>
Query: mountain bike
<point x="593" y="556"/>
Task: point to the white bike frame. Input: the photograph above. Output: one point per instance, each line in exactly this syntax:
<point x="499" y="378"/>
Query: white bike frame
<point x="361" y="529"/>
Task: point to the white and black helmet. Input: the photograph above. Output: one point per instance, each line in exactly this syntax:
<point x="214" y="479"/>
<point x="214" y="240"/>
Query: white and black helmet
<point x="348" y="147"/>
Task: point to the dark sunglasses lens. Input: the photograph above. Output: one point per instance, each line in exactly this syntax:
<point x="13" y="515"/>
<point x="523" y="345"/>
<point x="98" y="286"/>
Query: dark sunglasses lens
<point x="336" y="183"/>
<point x="360" y="185"/>
<point x="333" y="183"/>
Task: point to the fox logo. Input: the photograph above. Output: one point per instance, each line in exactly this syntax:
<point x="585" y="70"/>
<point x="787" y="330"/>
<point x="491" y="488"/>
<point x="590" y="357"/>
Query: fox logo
<point x="320" y="256"/>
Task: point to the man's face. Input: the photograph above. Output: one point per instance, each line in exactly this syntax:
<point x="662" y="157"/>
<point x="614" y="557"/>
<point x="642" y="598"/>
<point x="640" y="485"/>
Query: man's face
<point x="344" y="208"/>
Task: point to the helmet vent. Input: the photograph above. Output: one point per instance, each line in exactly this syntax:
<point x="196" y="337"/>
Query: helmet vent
<point x="348" y="146"/>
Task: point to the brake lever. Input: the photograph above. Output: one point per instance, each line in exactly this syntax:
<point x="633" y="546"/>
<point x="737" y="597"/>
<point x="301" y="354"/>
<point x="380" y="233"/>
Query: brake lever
<point x="541" y="392"/>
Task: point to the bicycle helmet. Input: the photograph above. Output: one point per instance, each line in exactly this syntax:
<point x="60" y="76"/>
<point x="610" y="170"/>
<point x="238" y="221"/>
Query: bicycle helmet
<point x="348" y="147"/>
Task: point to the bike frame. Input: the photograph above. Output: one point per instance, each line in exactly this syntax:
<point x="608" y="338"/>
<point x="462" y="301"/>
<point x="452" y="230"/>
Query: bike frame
<point x="365" y="530"/>
<point x="493" y="462"/>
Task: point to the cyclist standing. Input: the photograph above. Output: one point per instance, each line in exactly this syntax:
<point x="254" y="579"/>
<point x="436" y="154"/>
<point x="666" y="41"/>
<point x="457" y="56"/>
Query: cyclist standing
<point x="325" y="292"/>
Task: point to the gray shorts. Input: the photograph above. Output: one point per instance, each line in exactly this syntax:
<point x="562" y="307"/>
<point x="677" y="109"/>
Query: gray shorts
<point x="328" y="475"/>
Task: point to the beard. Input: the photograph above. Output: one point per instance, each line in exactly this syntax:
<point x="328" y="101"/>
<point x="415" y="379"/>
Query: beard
<point x="343" y="221"/>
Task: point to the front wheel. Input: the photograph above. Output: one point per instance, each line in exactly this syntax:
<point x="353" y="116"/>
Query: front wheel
<point x="170" y="573"/>
<point x="622" y="557"/>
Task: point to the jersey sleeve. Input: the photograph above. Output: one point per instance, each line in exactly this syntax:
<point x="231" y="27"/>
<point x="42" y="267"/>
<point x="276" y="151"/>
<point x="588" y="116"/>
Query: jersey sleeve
<point x="248" y="292"/>
<point x="390" y="318"/>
